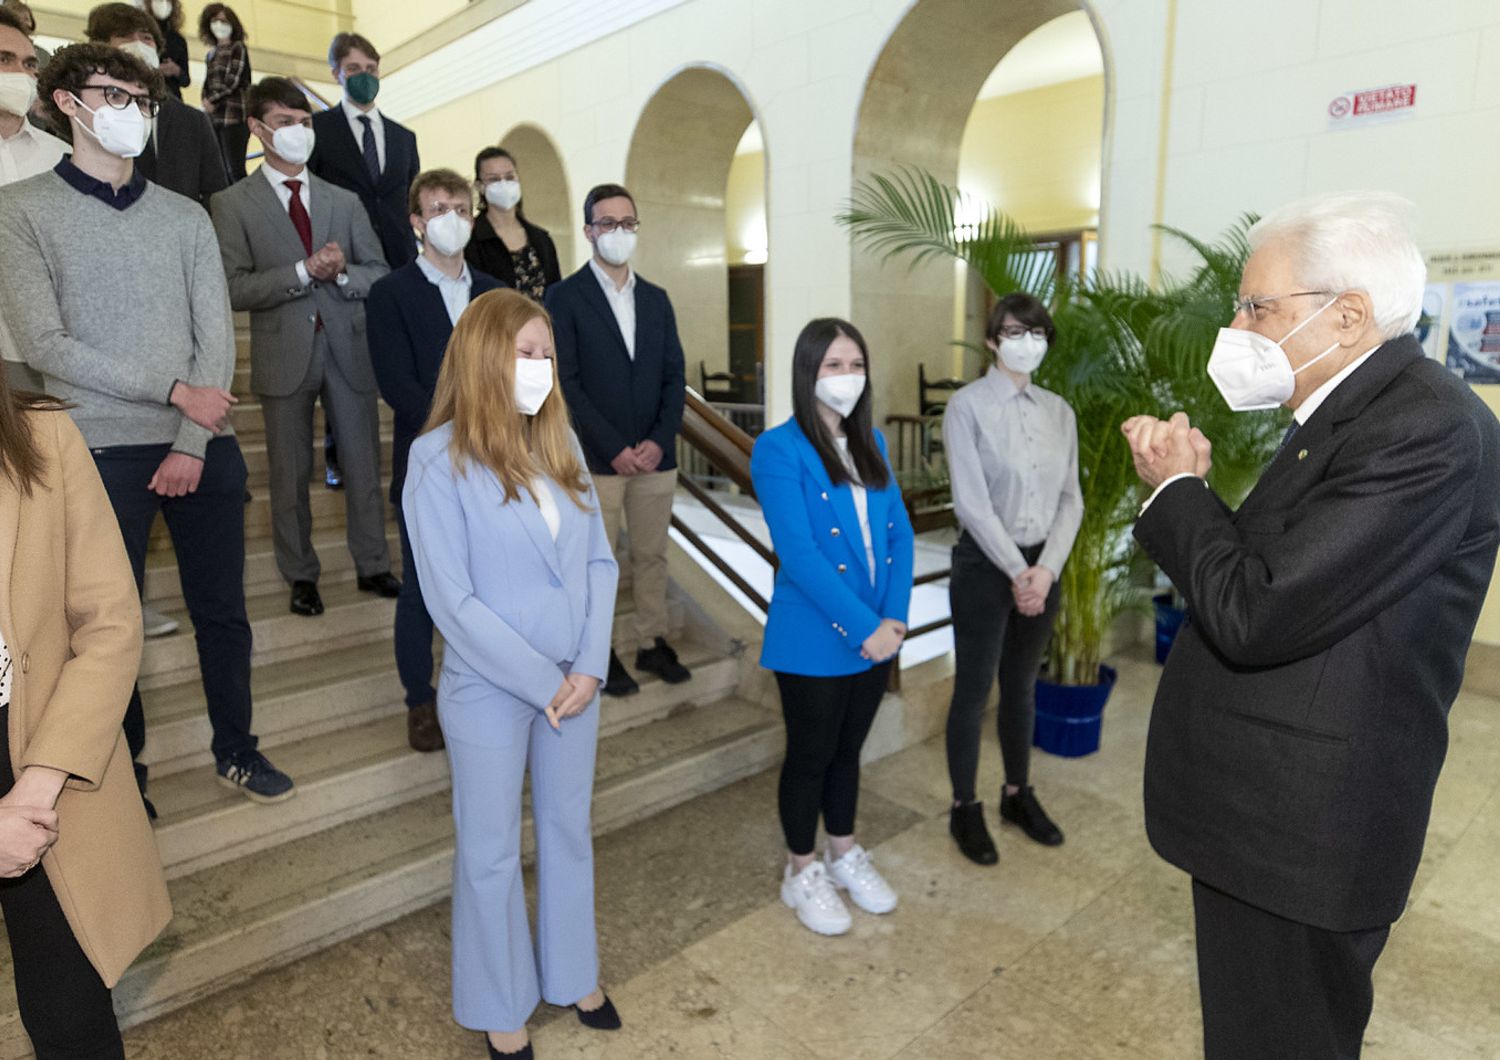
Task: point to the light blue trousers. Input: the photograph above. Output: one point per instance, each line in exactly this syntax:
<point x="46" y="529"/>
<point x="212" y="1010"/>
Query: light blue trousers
<point x="498" y="975"/>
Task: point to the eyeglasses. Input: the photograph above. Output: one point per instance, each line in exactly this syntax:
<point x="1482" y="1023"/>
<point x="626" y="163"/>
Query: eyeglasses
<point x="438" y="209"/>
<point x="1253" y="307"/>
<point x="1016" y="331"/>
<point x="119" y="99"/>
<point x="609" y="224"/>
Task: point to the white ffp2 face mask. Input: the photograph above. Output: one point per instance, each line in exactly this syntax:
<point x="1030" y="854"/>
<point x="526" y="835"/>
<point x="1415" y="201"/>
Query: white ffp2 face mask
<point x="17" y="93"/>
<point x="840" y="392"/>
<point x="448" y="233"/>
<point x="294" y="143"/>
<point x="533" y="383"/>
<point x="503" y="193"/>
<point x="162" y="9"/>
<point x="120" y="132"/>
<point x="1023" y="355"/>
<point x="146" y="53"/>
<point x="222" y="31"/>
<point x="1252" y="372"/>
<point x="616" y="247"/>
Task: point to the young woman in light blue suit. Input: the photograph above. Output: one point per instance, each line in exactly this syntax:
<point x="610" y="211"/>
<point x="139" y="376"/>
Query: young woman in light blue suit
<point x="837" y="614"/>
<point x="519" y="578"/>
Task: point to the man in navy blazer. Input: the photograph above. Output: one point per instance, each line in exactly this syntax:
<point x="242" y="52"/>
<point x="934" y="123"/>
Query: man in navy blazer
<point x="410" y="316"/>
<point x="621" y="366"/>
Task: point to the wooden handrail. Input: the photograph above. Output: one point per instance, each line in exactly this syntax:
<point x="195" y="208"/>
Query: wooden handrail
<point x="723" y="444"/>
<point x="311" y="93"/>
<point x="722" y="564"/>
<point x="729" y="520"/>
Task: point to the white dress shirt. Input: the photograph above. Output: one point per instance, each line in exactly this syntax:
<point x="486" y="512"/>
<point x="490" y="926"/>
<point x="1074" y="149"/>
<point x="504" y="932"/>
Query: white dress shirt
<point x="278" y="181"/>
<point x="455" y="290"/>
<point x="1013" y="469"/>
<point x="24" y="155"/>
<point x="29" y="152"/>
<point x="1301" y="414"/>
<point x="622" y="301"/>
<point x="357" y="127"/>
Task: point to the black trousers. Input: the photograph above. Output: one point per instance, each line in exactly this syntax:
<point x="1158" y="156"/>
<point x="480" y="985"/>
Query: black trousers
<point x="827" y="720"/>
<point x="208" y="534"/>
<point x="233" y="142"/>
<point x="1275" y="988"/>
<point x="64" y="1005"/>
<point x="991" y="637"/>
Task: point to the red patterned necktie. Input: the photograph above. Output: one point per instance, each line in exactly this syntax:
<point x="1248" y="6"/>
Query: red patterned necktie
<point x="300" y="221"/>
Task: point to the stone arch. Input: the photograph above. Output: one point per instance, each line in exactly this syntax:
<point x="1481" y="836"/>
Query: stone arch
<point x="544" y="183"/>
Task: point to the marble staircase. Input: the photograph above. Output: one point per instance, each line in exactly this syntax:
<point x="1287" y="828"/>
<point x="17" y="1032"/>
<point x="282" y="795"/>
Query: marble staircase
<point x="368" y="837"/>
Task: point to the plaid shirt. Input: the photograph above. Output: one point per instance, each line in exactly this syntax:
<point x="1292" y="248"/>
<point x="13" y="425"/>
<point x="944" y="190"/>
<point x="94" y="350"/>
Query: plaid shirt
<point x="225" y="84"/>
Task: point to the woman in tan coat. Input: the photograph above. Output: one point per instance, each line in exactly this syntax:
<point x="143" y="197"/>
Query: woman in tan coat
<point x="81" y="885"/>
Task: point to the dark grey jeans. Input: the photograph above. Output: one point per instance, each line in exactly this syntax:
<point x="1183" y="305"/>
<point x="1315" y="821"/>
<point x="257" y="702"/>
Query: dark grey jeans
<point x="991" y="638"/>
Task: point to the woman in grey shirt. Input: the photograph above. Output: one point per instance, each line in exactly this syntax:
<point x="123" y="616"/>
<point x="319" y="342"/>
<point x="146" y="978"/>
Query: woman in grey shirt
<point x="1013" y="457"/>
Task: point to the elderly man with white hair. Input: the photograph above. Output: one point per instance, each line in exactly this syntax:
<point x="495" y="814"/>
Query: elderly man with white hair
<point x="1301" y="720"/>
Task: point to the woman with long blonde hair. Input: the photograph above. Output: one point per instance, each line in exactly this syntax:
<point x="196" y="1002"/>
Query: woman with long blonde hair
<point x="519" y="578"/>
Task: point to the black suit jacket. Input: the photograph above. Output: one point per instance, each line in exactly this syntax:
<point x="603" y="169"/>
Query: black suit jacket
<point x="617" y="401"/>
<point x="184" y="154"/>
<point x="339" y="159"/>
<point x="408" y="330"/>
<point x="1301" y="720"/>
<point x="487" y="251"/>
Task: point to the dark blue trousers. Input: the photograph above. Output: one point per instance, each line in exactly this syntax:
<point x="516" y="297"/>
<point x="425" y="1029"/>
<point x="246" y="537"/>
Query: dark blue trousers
<point x="413" y="629"/>
<point x="208" y="535"/>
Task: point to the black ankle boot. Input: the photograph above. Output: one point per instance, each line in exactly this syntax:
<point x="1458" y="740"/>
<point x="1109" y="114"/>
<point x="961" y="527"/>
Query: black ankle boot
<point x="966" y="825"/>
<point x="1023" y="810"/>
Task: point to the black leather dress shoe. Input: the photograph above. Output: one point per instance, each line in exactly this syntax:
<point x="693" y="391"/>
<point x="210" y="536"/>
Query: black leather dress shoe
<point x="603" y="1018"/>
<point x="305" y="599"/>
<point x="619" y="682"/>
<point x="383" y="584"/>
<point x="661" y="660"/>
<point x="966" y="825"/>
<point x="1023" y="811"/>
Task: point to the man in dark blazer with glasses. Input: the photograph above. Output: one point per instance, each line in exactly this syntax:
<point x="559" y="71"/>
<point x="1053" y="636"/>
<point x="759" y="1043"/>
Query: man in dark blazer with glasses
<point x="1301" y="721"/>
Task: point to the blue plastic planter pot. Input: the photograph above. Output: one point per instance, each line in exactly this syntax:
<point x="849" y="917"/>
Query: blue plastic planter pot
<point x="1168" y="622"/>
<point x="1069" y="717"/>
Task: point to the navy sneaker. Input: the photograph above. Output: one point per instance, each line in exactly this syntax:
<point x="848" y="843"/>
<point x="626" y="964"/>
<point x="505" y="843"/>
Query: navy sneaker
<point x="253" y="774"/>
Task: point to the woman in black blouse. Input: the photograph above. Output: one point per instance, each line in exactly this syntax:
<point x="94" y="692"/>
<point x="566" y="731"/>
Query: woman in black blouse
<point x="505" y="244"/>
<point x="174" y="54"/>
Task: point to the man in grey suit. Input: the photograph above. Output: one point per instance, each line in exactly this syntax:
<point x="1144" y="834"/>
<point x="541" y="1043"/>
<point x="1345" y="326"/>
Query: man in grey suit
<point x="300" y="255"/>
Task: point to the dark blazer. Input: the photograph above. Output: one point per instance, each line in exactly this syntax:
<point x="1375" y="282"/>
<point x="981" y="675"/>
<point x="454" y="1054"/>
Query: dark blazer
<point x="339" y="159"/>
<point x="618" y="402"/>
<point x="175" y="48"/>
<point x="487" y="252"/>
<point x="188" y="161"/>
<point x="408" y="331"/>
<point x="1301" y="720"/>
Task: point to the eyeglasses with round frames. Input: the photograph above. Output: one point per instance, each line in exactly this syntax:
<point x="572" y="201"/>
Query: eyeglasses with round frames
<point x="120" y="98"/>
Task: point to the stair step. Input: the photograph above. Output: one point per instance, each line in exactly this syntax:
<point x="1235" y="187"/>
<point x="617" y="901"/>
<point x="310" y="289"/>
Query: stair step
<point x="258" y="462"/>
<point x="164" y="589"/>
<point x="304" y="698"/>
<point x="325" y="505"/>
<point x="249" y="422"/>
<point x="350" y="617"/>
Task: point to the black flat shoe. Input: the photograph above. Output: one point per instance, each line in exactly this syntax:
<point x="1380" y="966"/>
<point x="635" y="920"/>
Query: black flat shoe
<point x="1023" y="811"/>
<point x="966" y="825"/>
<point x="603" y="1018"/>
<point x="305" y="599"/>
<point x="382" y="584"/>
<point x="619" y="682"/>
<point x="524" y="1053"/>
<point x="661" y="660"/>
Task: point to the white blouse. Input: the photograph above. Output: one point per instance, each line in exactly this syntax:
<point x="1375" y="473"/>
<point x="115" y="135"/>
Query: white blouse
<point x="4" y="672"/>
<point x="861" y="505"/>
<point x="541" y="492"/>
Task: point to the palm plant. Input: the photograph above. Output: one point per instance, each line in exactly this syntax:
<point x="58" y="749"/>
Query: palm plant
<point x="1122" y="348"/>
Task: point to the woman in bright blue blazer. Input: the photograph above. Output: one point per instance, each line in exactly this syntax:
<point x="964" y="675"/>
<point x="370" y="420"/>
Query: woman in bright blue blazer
<point x="519" y="578"/>
<point x="837" y="615"/>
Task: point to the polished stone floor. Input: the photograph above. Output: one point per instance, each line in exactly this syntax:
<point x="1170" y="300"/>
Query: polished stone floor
<point x="1074" y="953"/>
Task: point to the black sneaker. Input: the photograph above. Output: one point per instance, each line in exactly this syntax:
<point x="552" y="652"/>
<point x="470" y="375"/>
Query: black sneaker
<point x="619" y="682"/>
<point x="1022" y="810"/>
<point x="662" y="661"/>
<point x="252" y="774"/>
<point x="966" y="825"/>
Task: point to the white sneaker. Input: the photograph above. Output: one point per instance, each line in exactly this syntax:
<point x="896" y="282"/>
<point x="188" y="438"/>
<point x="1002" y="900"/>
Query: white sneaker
<point x="815" y="901"/>
<point x="156" y="624"/>
<point x="856" y="874"/>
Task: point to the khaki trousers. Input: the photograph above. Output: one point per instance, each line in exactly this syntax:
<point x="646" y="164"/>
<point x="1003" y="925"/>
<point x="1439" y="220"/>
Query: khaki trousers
<point x="643" y="505"/>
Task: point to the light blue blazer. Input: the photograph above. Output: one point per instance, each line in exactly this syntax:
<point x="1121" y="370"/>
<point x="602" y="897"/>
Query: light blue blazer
<point x="517" y="610"/>
<point x="824" y="606"/>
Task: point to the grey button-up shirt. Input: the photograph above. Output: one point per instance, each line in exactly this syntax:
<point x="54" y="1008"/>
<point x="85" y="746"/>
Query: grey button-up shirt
<point x="1013" y="461"/>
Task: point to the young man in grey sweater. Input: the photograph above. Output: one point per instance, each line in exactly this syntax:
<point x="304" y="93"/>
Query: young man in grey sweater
<point x="115" y="293"/>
